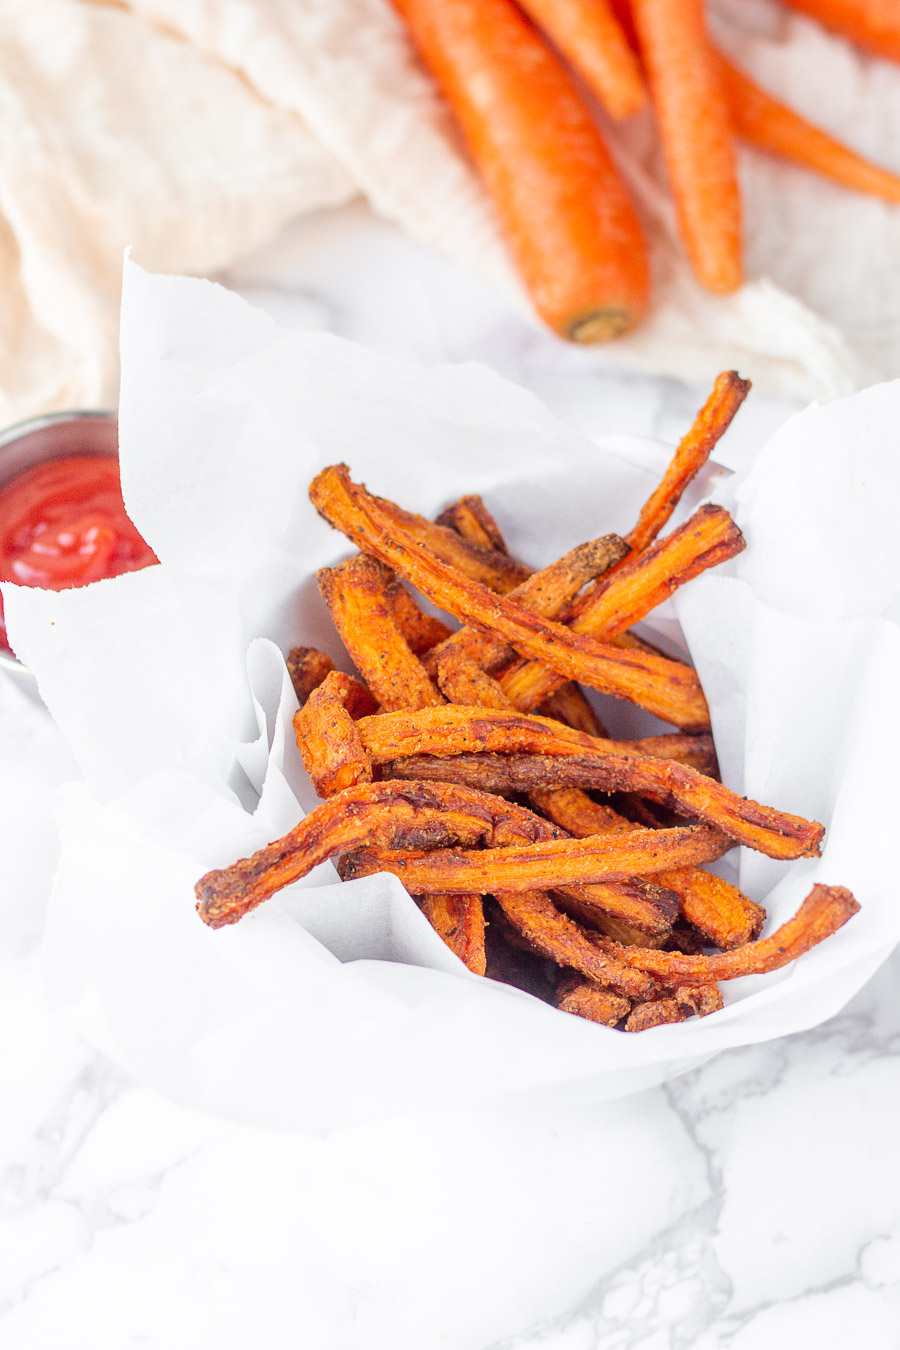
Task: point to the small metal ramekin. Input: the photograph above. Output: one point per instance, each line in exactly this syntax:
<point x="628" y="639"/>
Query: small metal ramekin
<point x="55" y="436"/>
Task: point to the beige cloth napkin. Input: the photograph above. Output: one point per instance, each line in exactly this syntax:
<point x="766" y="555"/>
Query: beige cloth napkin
<point x="113" y="133"/>
<point x="193" y="129"/>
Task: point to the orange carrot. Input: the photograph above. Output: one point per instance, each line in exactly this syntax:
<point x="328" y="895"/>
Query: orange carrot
<point x="591" y="39"/>
<point x="761" y="120"/>
<point x="563" y="207"/>
<point x="873" y="24"/>
<point x="696" y="134"/>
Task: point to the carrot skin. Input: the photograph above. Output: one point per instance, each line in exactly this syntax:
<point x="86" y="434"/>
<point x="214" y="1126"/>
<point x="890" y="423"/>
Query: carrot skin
<point x="591" y="39"/>
<point x="696" y="133"/>
<point x="871" y="24"/>
<point x="563" y="208"/>
<point x="761" y="121"/>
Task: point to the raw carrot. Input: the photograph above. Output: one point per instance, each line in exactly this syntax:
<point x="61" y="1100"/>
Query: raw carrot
<point x="873" y="24"/>
<point x="761" y="120"/>
<point x="696" y="134"/>
<point x="591" y="39"/>
<point x="567" y="217"/>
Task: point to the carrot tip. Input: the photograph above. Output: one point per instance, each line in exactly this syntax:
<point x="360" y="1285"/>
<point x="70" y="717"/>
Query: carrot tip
<point x="602" y="325"/>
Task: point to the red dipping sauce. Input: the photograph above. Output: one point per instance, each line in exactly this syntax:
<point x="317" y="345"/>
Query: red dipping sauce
<point x="63" y="524"/>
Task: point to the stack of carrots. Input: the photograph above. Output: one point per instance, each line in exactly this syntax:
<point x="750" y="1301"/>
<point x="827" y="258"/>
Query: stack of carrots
<point x="508" y="70"/>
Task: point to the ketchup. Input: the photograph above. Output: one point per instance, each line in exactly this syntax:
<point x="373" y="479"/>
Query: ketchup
<point x="63" y="524"/>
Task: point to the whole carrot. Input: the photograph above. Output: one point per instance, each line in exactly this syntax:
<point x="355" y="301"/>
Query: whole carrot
<point x="591" y="39"/>
<point x="565" y="212"/>
<point x="696" y="133"/>
<point x="872" y="24"/>
<point x="761" y="120"/>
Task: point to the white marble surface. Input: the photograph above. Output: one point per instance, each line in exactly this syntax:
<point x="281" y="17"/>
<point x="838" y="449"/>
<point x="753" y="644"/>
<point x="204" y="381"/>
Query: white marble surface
<point x="753" y="1203"/>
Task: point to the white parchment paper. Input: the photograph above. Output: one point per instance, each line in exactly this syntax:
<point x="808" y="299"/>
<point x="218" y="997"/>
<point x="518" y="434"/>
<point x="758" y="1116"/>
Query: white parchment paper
<point x="337" y="1003"/>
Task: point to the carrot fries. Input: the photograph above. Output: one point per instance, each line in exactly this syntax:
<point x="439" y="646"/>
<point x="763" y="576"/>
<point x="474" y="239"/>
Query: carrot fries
<point x="666" y="688"/>
<point x="595" y="895"/>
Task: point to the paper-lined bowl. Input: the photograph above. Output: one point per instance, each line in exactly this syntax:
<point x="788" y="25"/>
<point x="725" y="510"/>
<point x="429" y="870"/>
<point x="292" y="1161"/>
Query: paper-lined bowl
<point x="336" y="1003"/>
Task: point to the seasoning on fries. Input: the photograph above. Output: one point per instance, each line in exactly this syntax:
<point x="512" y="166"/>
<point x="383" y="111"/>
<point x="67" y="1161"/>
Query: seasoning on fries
<point x="597" y="892"/>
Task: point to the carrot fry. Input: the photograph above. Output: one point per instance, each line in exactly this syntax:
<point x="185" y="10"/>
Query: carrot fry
<point x="356" y="593"/>
<point x="547" y="592"/>
<point x="554" y="935"/>
<point x="607" y="609"/>
<point x="823" y="912"/>
<point x="694" y="126"/>
<point x="591" y="39"/>
<point x="459" y="920"/>
<point x="761" y="121"/>
<point x="566" y="214"/>
<point x="637" y="910"/>
<point x="578" y="903"/>
<point x="667" y="688"/>
<point x="422" y="631"/>
<point x="646" y="579"/>
<point x="694" y="449"/>
<point x="614" y="907"/>
<point x="470" y="517"/>
<point x="686" y="999"/>
<point x="328" y="737"/>
<point x="577" y="813"/>
<point x="720" y="911"/>
<point x="554" y="864"/>
<point x="465" y="682"/>
<point x="509" y="773"/>
<point x="493" y="567"/>
<point x="453" y="730"/>
<point x="584" y="998"/>
<point x="702" y="999"/>
<point x="568" y="704"/>
<point x="414" y="814"/>
<point x="307" y="669"/>
<point x="872" y="24"/>
<point x="655" y="1013"/>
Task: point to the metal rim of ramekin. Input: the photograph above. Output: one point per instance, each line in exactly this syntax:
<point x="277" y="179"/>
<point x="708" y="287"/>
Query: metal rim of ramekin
<point x="28" y="427"/>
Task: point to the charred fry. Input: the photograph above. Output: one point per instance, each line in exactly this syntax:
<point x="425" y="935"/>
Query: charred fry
<point x="585" y="998"/>
<point x="699" y="1000"/>
<point x="560" y="938"/>
<point x="415" y="814"/>
<point x="470" y="517"/>
<point x="823" y="912"/>
<point x="307" y="669"/>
